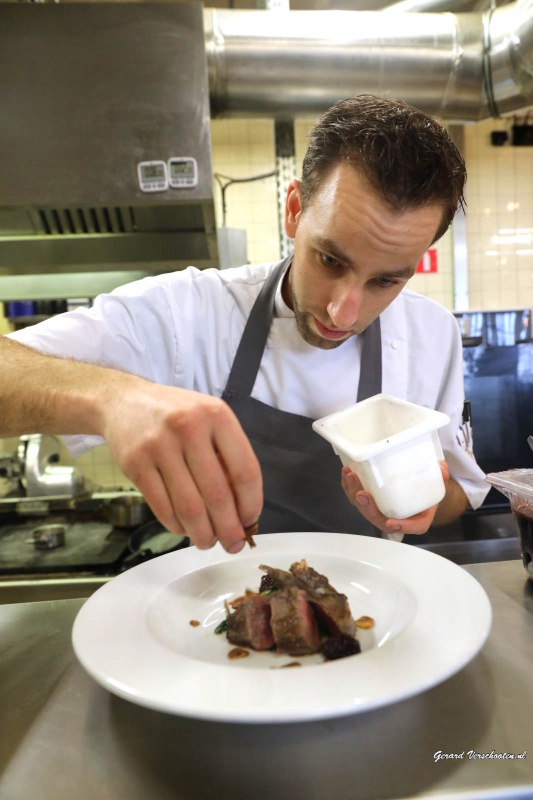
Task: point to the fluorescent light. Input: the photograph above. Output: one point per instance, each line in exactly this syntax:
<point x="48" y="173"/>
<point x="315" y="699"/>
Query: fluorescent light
<point x="512" y="239"/>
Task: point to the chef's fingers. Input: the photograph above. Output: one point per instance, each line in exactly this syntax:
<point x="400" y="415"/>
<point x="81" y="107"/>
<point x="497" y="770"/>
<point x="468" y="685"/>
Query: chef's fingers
<point x="362" y="500"/>
<point x="200" y="496"/>
<point x="351" y="484"/>
<point x="158" y="487"/>
<point x="191" y="459"/>
<point x="153" y="484"/>
<point x="417" y="524"/>
<point x="228" y="478"/>
<point x="243" y="470"/>
<point x="223" y="466"/>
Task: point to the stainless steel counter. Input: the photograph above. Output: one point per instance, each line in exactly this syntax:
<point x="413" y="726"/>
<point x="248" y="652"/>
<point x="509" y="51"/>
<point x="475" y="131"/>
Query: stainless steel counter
<point x="63" y="737"/>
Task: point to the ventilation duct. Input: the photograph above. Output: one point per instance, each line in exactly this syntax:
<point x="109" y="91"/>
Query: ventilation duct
<point x="460" y="67"/>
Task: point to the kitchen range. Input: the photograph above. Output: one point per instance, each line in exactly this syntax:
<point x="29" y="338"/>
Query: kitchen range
<point x="62" y="537"/>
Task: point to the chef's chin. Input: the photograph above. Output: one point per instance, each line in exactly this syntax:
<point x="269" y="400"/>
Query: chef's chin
<point x="312" y="337"/>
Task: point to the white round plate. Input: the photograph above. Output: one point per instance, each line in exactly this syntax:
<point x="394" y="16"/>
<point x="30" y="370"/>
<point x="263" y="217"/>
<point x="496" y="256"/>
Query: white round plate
<point x="134" y="635"/>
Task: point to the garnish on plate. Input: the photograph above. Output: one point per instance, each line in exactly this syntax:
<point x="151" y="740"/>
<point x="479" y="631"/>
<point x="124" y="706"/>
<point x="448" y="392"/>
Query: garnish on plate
<point x="249" y="533"/>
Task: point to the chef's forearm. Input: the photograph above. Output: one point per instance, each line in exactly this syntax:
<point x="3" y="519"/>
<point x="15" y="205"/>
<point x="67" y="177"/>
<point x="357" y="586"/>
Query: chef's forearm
<point x="45" y="394"/>
<point x="454" y="503"/>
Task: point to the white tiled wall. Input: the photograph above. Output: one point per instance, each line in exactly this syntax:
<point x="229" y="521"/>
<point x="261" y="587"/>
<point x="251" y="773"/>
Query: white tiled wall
<point x="245" y="149"/>
<point x="499" y="204"/>
<point x="499" y="219"/>
<point x="99" y="467"/>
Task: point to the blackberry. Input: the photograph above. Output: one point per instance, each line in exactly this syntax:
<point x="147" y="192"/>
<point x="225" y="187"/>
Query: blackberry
<point x="340" y="646"/>
<point x="267" y="584"/>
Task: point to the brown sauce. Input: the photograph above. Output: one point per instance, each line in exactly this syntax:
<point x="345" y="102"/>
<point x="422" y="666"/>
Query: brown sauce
<point x="238" y="652"/>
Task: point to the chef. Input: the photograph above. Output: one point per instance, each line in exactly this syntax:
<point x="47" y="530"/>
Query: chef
<point x="204" y="384"/>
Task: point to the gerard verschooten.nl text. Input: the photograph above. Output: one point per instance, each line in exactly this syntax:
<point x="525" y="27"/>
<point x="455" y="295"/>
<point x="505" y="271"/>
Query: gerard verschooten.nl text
<point x="472" y="754"/>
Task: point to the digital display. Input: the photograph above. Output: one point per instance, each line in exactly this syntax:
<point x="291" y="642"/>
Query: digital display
<point x="153" y="172"/>
<point x="182" y="168"/>
<point x="152" y="176"/>
<point x="183" y="172"/>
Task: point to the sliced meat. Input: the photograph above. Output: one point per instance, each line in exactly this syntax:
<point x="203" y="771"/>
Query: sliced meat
<point x="331" y="606"/>
<point x="294" y="625"/>
<point x="249" y="624"/>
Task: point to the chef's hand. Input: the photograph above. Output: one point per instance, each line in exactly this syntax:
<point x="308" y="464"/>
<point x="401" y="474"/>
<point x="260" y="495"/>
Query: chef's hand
<point x="188" y="455"/>
<point x="364" y="501"/>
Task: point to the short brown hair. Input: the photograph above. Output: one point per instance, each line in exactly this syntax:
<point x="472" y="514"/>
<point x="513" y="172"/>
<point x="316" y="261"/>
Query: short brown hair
<point x="407" y="156"/>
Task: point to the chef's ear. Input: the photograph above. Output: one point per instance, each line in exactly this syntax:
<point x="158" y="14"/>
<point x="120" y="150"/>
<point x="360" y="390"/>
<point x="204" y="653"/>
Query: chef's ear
<point x="293" y="208"/>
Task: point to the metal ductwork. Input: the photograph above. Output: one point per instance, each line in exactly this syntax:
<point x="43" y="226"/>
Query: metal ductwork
<point x="425" y="6"/>
<point x="460" y="67"/>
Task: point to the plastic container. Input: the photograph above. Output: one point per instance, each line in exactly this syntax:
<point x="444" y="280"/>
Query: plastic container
<point x="517" y="486"/>
<point x="394" y="448"/>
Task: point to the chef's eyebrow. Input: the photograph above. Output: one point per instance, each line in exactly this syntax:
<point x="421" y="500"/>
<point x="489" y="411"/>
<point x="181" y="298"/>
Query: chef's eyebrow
<point x="328" y="246"/>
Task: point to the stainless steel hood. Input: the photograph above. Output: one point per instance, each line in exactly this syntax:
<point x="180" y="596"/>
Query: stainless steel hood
<point x="88" y="93"/>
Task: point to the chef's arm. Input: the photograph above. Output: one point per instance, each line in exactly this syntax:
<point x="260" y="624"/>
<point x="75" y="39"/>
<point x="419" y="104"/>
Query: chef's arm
<point x="453" y="504"/>
<point x="185" y="451"/>
<point x="44" y="394"/>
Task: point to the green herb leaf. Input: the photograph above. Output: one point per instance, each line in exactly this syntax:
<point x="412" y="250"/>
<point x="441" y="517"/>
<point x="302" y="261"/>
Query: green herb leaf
<point x="222" y="627"/>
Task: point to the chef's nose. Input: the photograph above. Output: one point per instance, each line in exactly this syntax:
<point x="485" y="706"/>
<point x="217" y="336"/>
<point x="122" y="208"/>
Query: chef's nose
<point x="344" y="308"/>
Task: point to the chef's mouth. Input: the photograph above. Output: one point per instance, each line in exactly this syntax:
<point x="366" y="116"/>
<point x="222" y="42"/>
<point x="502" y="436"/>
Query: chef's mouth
<point x="328" y="333"/>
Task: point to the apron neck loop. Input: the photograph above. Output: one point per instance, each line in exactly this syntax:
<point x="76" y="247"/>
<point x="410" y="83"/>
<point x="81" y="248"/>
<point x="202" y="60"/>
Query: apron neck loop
<point x="254" y="338"/>
<point x="371" y="372"/>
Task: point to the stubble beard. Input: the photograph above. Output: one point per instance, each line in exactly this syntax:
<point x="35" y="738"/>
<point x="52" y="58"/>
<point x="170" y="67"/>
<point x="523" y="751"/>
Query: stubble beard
<point x="303" y="325"/>
<point x="307" y="333"/>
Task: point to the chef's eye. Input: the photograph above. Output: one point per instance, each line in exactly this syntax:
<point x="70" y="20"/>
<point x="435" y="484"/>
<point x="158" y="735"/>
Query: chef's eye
<point x="329" y="261"/>
<point x="385" y="283"/>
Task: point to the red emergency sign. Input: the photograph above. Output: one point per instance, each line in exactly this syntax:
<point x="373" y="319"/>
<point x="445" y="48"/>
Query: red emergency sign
<point x="428" y="262"/>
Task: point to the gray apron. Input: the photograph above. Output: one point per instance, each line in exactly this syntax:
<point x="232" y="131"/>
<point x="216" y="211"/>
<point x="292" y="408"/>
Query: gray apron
<point x="301" y="473"/>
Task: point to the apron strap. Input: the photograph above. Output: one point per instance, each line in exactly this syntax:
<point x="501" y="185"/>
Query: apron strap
<point x="249" y="353"/>
<point x="254" y="338"/>
<point x="370" y="374"/>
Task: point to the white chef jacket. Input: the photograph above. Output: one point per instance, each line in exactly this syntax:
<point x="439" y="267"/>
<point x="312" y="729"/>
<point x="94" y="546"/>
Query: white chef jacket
<point x="183" y="329"/>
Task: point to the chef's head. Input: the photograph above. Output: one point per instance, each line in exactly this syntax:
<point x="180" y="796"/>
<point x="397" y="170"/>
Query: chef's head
<point x="405" y="155"/>
<point x="380" y="183"/>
